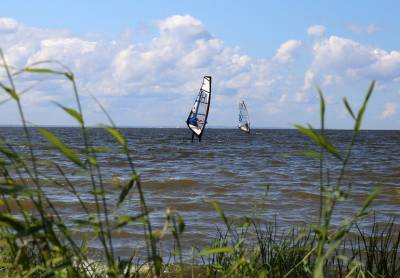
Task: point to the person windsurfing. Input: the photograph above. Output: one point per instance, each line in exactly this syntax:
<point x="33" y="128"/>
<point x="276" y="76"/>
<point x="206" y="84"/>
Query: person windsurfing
<point x="193" y="120"/>
<point x="197" y="118"/>
<point x="244" y="121"/>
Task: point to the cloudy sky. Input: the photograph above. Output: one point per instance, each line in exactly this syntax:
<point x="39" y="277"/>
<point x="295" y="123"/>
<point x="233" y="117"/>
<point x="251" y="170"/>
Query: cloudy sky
<point x="145" y="61"/>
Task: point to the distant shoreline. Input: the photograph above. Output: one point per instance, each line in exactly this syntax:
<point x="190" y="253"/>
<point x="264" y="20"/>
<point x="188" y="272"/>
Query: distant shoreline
<point x="184" y="127"/>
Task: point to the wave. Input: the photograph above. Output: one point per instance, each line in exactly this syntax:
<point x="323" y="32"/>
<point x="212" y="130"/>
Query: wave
<point x="170" y="184"/>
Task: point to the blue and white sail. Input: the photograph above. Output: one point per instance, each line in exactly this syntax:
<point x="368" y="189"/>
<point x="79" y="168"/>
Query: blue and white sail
<point x="244" y="120"/>
<point x="197" y="118"/>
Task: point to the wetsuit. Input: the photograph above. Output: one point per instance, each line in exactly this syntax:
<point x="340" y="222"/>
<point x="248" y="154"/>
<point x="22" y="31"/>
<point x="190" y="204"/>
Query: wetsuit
<point x="193" y="120"/>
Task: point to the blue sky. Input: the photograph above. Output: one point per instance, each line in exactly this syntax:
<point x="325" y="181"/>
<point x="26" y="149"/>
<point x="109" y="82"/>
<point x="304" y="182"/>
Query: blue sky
<point x="144" y="60"/>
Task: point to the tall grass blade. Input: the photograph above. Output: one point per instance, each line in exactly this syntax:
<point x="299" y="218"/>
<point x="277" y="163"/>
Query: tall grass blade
<point x="56" y="142"/>
<point x="44" y="71"/>
<point x="72" y="112"/>
<point x="10" y="91"/>
<point x="12" y="222"/>
<point x="364" y="107"/>
<point x="123" y="220"/>
<point x="348" y="107"/>
<point x="215" y="251"/>
<point x="322" y="107"/>
<point x="319" y="139"/>
<point x="117" y="135"/>
<point x="126" y="189"/>
<point x="220" y="211"/>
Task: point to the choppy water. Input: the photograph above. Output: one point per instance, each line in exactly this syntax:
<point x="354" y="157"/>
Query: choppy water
<point x="260" y="175"/>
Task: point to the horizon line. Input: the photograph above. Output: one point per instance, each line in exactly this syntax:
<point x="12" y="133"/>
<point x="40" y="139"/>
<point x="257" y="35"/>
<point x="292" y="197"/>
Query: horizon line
<point x="184" y="127"/>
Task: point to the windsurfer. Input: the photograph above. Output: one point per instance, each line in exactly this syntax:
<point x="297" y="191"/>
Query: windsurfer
<point x="193" y="120"/>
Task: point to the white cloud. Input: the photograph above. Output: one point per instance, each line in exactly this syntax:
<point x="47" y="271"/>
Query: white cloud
<point x="170" y="66"/>
<point x="8" y="25"/>
<point x="331" y="79"/>
<point x="360" y="29"/>
<point x="286" y="51"/>
<point x="166" y="72"/>
<point x="182" y="27"/>
<point x="64" y="48"/>
<point x="336" y="59"/>
<point x="389" y="110"/>
<point x="339" y="62"/>
<point x="340" y="53"/>
<point x="316" y="30"/>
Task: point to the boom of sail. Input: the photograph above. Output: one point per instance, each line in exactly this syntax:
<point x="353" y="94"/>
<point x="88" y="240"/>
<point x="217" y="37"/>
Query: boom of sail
<point x="197" y="118"/>
<point x="244" y="121"/>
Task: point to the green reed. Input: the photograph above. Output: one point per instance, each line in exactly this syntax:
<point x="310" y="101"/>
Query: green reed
<point x="42" y="231"/>
<point x="36" y="241"/>
<point x="270" y="252"/>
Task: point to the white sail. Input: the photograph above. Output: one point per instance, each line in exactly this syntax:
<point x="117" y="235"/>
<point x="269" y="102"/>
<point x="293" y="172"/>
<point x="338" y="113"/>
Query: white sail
<point x="206" y="86"/>
<point x="197" y="118"/>
<point x="244" y="120"/>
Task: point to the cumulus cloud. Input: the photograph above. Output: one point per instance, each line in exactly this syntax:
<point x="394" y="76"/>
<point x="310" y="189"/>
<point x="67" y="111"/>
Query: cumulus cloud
<point x="360" y="29"/>
<point x="389" y="110"/>
<point x="168" y="67"/>
<point x="166" y="72"/>
<point x="63" y="48"/>
<point x="316" y="30"/>
<point x="336" y="59"/>
<point x="8" y="25"/>
<point x="182" y="27"/>
<point x="174" y="60"/>
<point x="341" y="53"/>
<point x="286" y="51"/>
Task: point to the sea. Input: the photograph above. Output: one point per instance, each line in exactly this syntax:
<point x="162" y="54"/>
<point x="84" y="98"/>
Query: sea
<point x="263" y="175"/>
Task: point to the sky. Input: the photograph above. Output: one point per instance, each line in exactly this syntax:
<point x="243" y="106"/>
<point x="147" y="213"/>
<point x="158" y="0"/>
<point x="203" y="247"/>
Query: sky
<point x="144" y="60"/>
